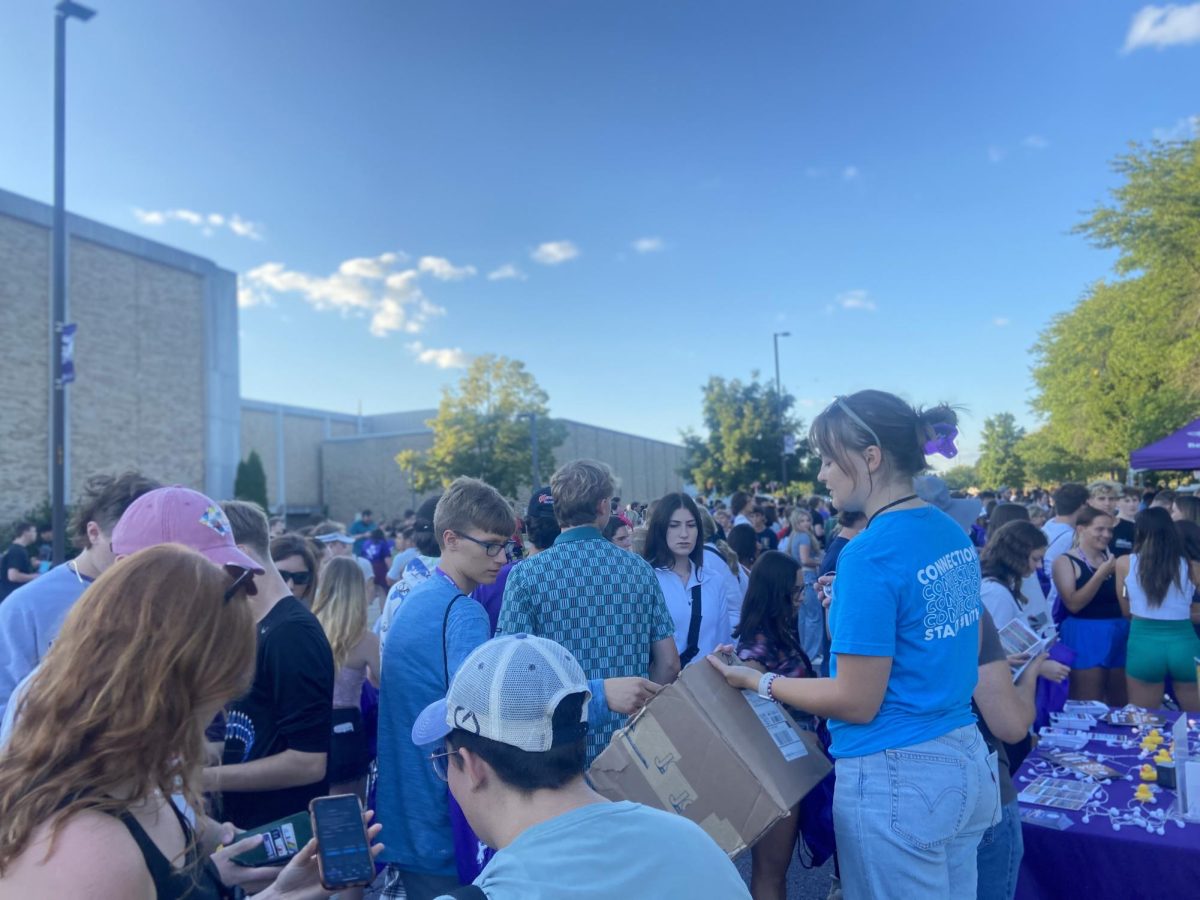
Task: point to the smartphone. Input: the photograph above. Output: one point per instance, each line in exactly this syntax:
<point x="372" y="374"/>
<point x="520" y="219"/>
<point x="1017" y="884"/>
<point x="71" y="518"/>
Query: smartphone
<point x="343" y="852"/>
<point x="282" y="839"/>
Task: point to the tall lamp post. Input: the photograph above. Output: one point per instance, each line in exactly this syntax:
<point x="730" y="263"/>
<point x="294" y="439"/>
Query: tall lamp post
<point x="533" y="441"/>
<point x="58" y="310"/>
<point x="779" y="410"/>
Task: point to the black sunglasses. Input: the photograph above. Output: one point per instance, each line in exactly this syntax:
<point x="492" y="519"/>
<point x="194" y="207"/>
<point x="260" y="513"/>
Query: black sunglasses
<point x="245" y="580"/>
<point x="300" y="579"/>
<point x="491" y="548"/>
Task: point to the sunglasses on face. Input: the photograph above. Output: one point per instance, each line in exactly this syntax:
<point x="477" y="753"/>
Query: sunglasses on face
<point x="491" y="548"/>
<point x="300" y="579"/>
<point x="243" y="581"/>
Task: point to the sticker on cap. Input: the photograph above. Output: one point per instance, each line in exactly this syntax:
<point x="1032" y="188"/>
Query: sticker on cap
<point x="215" y="519"/>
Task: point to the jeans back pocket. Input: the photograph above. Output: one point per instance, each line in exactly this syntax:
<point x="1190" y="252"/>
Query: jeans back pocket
<point x="929" y="796"/>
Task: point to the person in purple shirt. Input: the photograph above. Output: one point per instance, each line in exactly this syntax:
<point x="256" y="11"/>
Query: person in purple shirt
<point x="542" y="528"/>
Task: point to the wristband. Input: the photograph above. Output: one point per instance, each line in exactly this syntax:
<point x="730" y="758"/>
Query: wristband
<point x="764" y="686"/>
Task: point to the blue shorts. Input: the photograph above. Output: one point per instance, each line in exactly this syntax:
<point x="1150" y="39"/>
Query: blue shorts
<point x="1098" y="643"/>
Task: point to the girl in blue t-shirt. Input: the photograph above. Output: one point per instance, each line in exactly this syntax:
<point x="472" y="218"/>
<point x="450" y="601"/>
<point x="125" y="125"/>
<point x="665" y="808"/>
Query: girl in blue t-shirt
<point x="915" y="786"/>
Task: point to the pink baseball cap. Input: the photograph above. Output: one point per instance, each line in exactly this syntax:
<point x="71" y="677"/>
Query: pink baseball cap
<point x="179" y="515"/>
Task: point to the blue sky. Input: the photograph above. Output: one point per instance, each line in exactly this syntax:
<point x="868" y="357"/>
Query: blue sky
<point x="665" y="184"/>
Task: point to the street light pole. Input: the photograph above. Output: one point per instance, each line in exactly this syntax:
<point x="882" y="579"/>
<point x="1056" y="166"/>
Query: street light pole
<point x="533" y="441"/>
<point x="779" y="409"/>
<point x="58" y="300"/>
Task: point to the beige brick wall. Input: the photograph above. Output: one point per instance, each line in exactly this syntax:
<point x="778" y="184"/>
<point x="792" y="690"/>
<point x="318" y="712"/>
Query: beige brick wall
<point x="24" y="397"/>
<point x="363" y="474"/>
<point x="139" y="399"/>
<point x="258" y="433"/>
<point x="139" y="351"/>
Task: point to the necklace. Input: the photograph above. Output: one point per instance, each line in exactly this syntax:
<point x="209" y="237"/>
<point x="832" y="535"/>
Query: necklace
<point x="888" y="506"/>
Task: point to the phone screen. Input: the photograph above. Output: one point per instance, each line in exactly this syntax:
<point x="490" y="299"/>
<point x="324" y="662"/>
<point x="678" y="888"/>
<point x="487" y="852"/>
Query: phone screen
<point x="282" y="840"/>
<point x="342" y="850"/>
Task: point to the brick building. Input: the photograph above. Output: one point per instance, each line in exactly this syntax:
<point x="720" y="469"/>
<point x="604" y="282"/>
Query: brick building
<point x="156" y="354"/>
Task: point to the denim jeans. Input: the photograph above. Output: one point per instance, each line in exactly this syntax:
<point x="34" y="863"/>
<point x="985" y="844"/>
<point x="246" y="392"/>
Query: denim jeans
<point x="999" y="856"/>
<point x="908" y="821"/>
<point x="812" y="621"/>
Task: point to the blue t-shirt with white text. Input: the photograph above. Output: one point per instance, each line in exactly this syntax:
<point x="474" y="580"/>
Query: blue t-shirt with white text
<point x="908" y="588"/>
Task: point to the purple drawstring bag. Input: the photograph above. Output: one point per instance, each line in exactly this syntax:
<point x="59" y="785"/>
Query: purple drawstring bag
<point x="1052" y="695"/>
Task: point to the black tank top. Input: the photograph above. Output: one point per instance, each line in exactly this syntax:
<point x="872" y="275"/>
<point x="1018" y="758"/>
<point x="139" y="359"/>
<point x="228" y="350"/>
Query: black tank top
<point x="196" y="880"/>
<point x="1104" y="605"/>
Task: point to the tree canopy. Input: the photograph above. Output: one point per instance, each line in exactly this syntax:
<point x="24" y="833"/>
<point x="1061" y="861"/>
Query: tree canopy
<point x="745" y="424"/>
<point x="480" y="430"/>
<point x="1122" y="368"/>
<point x="1000" y="463"/>
<point x="250" y="482"/>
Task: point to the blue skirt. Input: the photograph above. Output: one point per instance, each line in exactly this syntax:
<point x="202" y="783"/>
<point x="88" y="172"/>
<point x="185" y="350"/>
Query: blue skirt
<point x="1098" y="643"/>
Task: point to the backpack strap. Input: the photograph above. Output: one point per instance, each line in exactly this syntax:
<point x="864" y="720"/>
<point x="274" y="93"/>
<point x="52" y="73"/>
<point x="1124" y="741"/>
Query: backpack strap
<point x="693" y="640"/>
<point x="445" y="652"/>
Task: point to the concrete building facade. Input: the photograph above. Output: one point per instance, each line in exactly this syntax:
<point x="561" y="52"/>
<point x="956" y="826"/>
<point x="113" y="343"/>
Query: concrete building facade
<point x="156" y="359"/>
<point x="325" y="463"/>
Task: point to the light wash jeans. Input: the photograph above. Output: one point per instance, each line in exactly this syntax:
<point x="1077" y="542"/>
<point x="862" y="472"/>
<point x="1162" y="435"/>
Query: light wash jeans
<point x="811" y="621"/>
<point x="999" y="857"/>
<point x="909" y="821"/>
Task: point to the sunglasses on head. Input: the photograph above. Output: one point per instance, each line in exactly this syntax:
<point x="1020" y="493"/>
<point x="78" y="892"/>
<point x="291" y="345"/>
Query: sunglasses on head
<point x="245" y="580"/>
<point x="300" y="579"/>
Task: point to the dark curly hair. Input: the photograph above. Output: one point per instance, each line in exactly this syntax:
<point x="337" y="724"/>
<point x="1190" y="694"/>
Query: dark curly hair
<point x="1006" y="555"/>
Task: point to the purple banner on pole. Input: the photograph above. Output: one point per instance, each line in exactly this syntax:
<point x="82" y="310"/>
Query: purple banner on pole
<point x="67" y="373"/>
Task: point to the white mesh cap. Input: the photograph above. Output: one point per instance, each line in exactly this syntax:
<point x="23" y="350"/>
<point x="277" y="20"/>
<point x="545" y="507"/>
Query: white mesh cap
<point x="508" y="690"/>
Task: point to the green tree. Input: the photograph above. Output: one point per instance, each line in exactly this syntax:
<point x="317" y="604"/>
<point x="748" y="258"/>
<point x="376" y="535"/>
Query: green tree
<point x="959" y="478"/>
<point x="250" y="483"/>
<point x="1122" y="368"/>
<point x="999" y="461"/>
<point x="745" y="424"/>
<point x="1048" y="462"/>
<point x="481" y="430"/>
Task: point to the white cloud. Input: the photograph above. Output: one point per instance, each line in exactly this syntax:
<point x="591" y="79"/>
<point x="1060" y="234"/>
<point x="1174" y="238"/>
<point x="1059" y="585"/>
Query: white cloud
<point x="365" y="286"/>
<point x="1035" y="142"/>
<point x="1001" y="322"/>
<point x="648" y="245"/>
<point x="1184" y="129"/>
<point x="995" y="154"/>
<point x="206" y="223"/>
<point x="443" y="358"/>
<point x="443" y="270"/>
<point x="858" y="299"/>
<point x="505" y="272"/>
<point x="850" y="173"/>
<point x="552" y="253"/>
<point x="1163" y="26"/>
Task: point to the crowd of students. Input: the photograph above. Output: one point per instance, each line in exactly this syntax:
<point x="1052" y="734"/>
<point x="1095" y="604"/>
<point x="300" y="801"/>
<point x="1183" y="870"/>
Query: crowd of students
<point x="197" y="670"/>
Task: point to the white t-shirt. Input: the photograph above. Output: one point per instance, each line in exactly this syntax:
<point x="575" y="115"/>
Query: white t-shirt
<point x="1061" y="537"/>
<point x="715" y="627"/>
<point x="1176" y="605"/>
<point x="1003" y="606"/>
<point x="735" y="592"/>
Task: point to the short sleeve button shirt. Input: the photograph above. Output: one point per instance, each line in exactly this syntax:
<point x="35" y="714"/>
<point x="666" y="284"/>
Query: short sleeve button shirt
<point x="602" y="603"/>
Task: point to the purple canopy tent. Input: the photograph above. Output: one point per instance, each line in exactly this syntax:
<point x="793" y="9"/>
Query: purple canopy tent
<point x="1179" y="451"/>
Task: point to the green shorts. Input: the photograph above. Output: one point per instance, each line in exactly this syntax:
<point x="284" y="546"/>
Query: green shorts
<point x="1158" y="648"/>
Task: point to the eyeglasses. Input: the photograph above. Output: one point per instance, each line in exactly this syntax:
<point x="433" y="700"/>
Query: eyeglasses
<point x="491" y="548"/>
<point x="300" y="579"/>
<point x="244" y="580"/>
<point x="441" y="763"/>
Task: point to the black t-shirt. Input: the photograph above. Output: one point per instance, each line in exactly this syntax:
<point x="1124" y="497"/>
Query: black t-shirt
<point x="15" y="557"/>
<point x="1122" y="539"/>
<point x="766" y="540"/>
<point x="289" y="707"/>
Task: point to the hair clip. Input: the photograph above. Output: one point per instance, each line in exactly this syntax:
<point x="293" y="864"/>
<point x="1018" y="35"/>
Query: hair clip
<point x="943" y="443"/>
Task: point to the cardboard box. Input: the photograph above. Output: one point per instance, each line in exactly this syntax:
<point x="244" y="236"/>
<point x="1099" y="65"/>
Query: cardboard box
<point x="730" y="761"/>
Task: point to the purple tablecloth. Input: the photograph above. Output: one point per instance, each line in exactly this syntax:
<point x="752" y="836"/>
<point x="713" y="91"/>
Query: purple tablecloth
<point x="1090" y="860"/>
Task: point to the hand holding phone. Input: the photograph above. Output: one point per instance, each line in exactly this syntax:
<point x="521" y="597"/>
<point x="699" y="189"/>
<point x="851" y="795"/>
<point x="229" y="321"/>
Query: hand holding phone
<point x="344" y="853"/>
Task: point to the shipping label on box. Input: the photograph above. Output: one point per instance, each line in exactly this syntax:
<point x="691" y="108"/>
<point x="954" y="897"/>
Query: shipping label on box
<point x="729" y="760"/>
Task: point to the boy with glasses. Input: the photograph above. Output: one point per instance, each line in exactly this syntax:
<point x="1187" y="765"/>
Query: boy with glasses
<point x="432" y="632"/>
